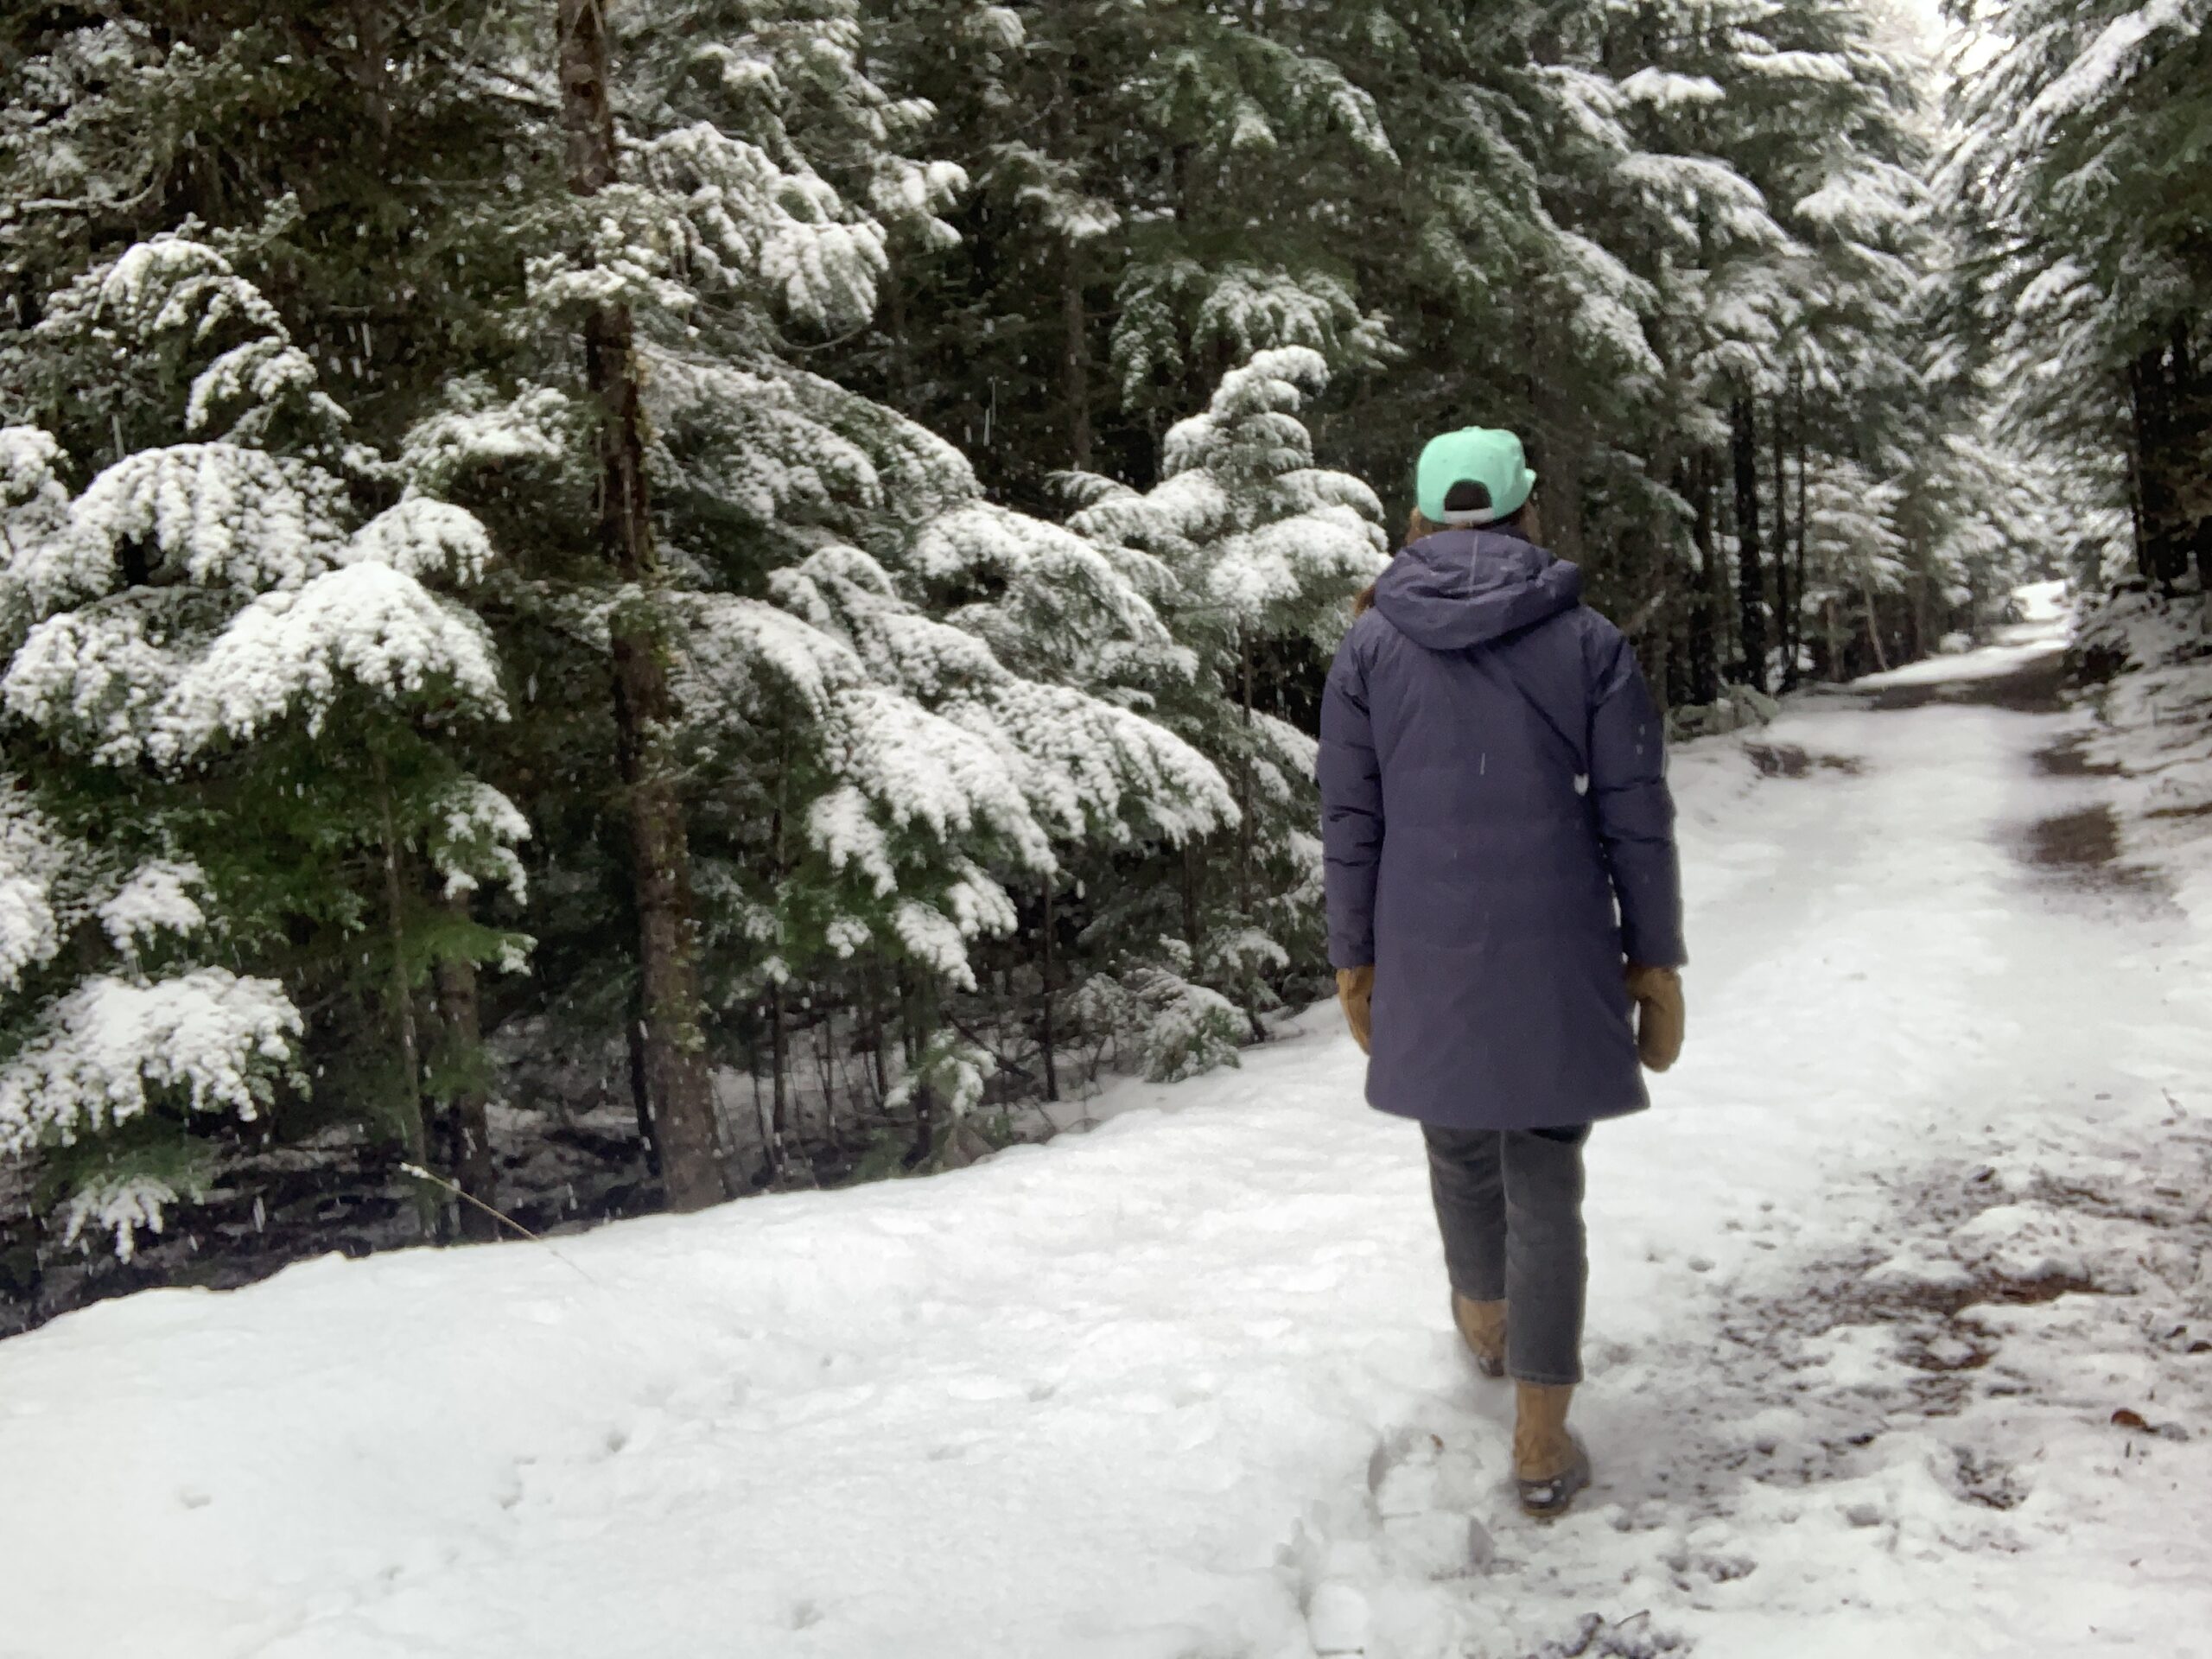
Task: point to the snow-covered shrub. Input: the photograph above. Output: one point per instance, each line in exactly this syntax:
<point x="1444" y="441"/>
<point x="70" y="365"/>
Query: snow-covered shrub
<point x="1739" y="708"/>
<point x="1166" y="1027"/>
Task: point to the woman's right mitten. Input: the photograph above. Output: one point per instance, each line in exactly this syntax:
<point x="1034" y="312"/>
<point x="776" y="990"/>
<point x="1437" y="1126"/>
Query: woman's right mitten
<point x="1661" y="1016"/>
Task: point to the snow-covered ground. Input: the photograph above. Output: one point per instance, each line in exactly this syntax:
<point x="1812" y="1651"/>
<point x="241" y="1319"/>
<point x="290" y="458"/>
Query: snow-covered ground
<point x="1923" y="1207"/>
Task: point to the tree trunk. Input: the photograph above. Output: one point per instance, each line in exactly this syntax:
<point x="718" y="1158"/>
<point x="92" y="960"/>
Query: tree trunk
<point x="920" y="1022"/>
<point x="1045" y="999"/>
<point x="1670" y="665"/>
<point x="1784" y="615"/>
<point x="1245" y="832"/>
<point x="1913" y="626"/>
<point x="2146" y="407"/>
<point x="1751" y="570"/>
<point x="2159" y="387"/>
<point x="879" y="1061"/>
<point x="1191" y="896"/>
<point x="2201" y="545"/>
<point x="1704" y="645"/>
<point x="1565" y="434"/>
<point x="673" y="1026"/>
<point x="1874" y="629"/>
<point x="633" y="1030"/>
<point x="1245" y="777"/>
<point x="1075" y="356"/>
<point x="1804" y="502"/>
<point x="414" y="1133"/>
<point x="467" y="1128"/>
<point x="780" y="1116"/>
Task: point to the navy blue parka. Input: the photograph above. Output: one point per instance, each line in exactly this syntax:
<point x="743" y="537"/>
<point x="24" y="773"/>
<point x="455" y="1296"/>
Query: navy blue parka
<point x="1499" y="837"/>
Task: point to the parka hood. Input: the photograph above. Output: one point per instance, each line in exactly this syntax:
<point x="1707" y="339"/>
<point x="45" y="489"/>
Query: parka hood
<point x="1465" y="588"/>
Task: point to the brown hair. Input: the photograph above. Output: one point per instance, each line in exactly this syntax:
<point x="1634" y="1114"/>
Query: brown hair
<point x="1416" y="528"/>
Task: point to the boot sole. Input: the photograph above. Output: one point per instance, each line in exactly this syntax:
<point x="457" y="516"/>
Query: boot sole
<point x="1546" y="1500"/>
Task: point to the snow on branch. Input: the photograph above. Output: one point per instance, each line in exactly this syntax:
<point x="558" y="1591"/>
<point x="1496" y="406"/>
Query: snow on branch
<point x="1087" y="766"/>
<point x="2117" y="55"/>
<point x="1272" y="383"/>
<point x="924" y="770"/>
<point x="1051" y="188"/>
<point x="740" y="657"/>
<point x="118" y="1206"/>
<point x="92" y="679"/>
<point x="34" y="502"/>
<point x="264" y="375"/>
<point x="32" y="857"/>
<point x="214" y="514"/>
<point x="290" y="652"/>
<point x="473" y="832"/>
<point x="844" y="592"/>
<point x="421" y="538"/>
<point x="156" y="899"/>
<point x="1276" y="563"/>
<point x="1662" y="89"/>
<point x="759" y="225"/>
<point x="631" y="243"/>
<point x="209" y="1039"/>
<point x="169" y="285"/>
<point x="479" y="429"/>
<point x="1240" y="309"/>
<point x="174" y="288"/>
<point x="1685" y="185"/>
<point x="1868" y="201"/>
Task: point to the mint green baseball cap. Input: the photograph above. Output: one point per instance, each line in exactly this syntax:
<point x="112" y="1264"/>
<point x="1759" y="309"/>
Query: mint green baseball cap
<point x="1474" y="476"/>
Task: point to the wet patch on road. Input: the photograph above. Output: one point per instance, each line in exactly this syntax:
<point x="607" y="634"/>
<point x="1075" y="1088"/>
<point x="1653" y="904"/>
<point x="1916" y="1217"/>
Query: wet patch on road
<point x="2037" y="687"/>
<point x="2069" y="758"/>
<point x="2083" y="848"/>
<point x="1788" y="761"/>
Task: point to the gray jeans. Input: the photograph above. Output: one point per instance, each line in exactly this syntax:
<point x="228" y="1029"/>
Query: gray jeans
<point x="1509" y="1204"/>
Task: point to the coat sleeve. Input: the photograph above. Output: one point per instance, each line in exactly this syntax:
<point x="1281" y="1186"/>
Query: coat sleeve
<point x="1634" y="811"/>
<point x="1351" y="810"/>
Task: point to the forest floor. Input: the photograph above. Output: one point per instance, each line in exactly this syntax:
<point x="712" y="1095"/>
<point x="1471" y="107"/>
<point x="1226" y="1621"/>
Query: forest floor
<point x="1900" y="1338"/>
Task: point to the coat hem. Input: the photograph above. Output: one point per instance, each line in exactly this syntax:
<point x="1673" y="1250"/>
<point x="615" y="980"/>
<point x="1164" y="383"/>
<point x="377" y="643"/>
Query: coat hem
<point x="1472" y="1121"/>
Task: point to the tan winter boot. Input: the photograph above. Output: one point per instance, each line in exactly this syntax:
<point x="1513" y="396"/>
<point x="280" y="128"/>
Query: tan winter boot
<point x="1549" y="1465"/>
<point x="1482" y="1325"/>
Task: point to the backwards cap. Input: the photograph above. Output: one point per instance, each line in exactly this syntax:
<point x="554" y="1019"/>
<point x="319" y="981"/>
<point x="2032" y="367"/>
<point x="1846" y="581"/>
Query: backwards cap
<point x="1474" y="476"/>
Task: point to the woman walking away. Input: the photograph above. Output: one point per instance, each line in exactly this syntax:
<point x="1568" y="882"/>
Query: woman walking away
<point x="1504" y="896"/>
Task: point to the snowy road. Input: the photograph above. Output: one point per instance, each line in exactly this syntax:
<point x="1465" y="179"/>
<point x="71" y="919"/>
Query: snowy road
<point x="1923" y="1207"/>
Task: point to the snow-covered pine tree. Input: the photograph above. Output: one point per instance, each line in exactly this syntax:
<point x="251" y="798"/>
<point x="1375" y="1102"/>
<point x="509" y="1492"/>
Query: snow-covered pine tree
<point x="1500" y="311"/>
<point x="1266" y="549"/>
<point x="1766" y="254"/>
<point x="241" y="704"/>
<point x="1853" y="553"/>
<point x="1115" y="256"/>
<point x="670" y="1027"/>
<point x="2077" y="166"/>
<point x="864" y="775"/>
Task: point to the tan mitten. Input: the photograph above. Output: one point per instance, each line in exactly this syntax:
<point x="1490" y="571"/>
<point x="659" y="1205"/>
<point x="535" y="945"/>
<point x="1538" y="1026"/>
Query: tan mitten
<point x="1356" y="990"/>
<point x="1660" y="1014"/>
